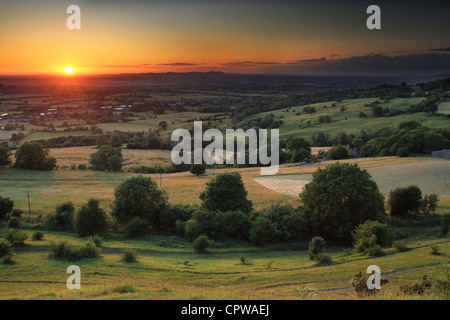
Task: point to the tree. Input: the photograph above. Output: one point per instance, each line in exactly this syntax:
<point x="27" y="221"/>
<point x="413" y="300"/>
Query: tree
<point x="316" y="246"/>
<point x="163" y="125"/>
<point x="100" y="160"/>
<point x="340" y="197"/>
<point x="296" y="144"/>
<point x="139" y="197"/>
<point x="90" y="219"/>
<point x="32" y="155"/>
<point x="197" y="169"/>
<point x="115" y="141"/>
<point x="429" y="203"/>
<point x="338" y="152"/>
<point x="226" y="192"/>
<point x="5" y="153"/>
<point x="402" y="201"/>
<point x="6" y="206"/>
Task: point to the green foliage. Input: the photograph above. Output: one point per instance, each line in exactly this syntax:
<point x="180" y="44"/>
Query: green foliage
<point x="338" y="152"/>
<point x="5" y="153"/>
<point x="135" y="228"/>
<point x="15" y="237"/>
<point x="201" y="243"/>
<point x="197" y="169"/>
<point x="96" y="239"/>
<point x="6" y="206"/>
<point x="202" y="222"/>
<point x="62" y="219"/>
<point x="316" y="246"/>
<point x="402" y="201"/>
<point x="429" y="203"/>
<point x="416" y="288"/>
<point x="402" y="152"/>
<point x="445" y="222"/>
<point x="71" y="252"/>
<point x="5" y="247"/>
<point x="296" y="144"/>
<point x="441" y="279"/>
<point x="90" y="219"/>
<point x="115" y="141"/>
<point x="226" y="192"/>
<point x="129" y="255"/>
<point x="14" y="223"/>
<point x="243" y="259"/>
<point x="17" y="213"/>
<point x="9" y="259"/>
<point x="107" y="158"/>
<point x="232" y="225"/>
<point x="435" y="250"/>
<point x="32" y="155"/>
<point x="171" y="214"/>
<point x="278" y="223"/>
<point x="139" y="197"/>
<point x="370" y="236"/>
<point x="400" y="246"/>
<point x="126" y="288"/>
<point x="340" y="197"/>
<point x="323" y="259"/>
<point x="38" y="235"/>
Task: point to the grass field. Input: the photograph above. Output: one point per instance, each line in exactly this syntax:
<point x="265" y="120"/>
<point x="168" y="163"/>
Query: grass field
<point x="444" y="107"/>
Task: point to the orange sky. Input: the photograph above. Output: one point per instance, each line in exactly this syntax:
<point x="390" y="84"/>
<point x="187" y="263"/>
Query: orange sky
<point x="180" y="36"/>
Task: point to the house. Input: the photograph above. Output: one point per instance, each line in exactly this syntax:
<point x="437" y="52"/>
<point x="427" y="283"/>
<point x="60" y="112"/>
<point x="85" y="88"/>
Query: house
<point x="444" y="154"/>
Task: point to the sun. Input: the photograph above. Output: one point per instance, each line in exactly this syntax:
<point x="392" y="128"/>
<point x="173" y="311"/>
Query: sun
<point x="68" y="70"/>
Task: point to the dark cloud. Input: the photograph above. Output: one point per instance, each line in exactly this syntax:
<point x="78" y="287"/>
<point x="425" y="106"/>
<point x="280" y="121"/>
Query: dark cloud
<point x="440" y="49"/>
<point x="248" y="63"/>
<point x="177" y="64"/>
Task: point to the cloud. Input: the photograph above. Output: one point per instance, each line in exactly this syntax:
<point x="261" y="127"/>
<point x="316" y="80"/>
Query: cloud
<point x="178" y="64"/>
<point x="440" y="49"/>
<point x="248" y="63"/>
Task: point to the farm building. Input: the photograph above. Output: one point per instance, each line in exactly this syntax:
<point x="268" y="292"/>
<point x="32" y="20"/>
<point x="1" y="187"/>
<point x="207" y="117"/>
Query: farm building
<point x="444" y="154"/>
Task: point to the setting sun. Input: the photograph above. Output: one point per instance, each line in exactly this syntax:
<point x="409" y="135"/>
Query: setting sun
<point x="68" y="70"/>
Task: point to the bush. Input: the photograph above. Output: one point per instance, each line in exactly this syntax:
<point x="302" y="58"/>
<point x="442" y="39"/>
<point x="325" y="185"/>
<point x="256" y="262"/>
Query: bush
<point x="96" y="239"/>
<point x="38" y="235"/>
<point x="127" y="288"/>
<point x="139" y="197"/>
<point x="402" y="201"/>
<point x="232" y="225"/>
<point x="107" y="158"/>
<point x="323" y="259"/>
<point x="180" y="227"/>
<point x="15" y="237"/>
<point x="135" y="228"/>
<point x="441" y="280"/>
<point x="201" y="243"/>
<point x="90" y="219"/>
<point x="374" y="250"/>
<point x="400" y="246"/>
<point x="197" y="169"/>
<point x="316" y="246"/>
<point x="445" y="222"/>
<point x="435" y="250"/>
<point x="6" y="206"/>
<point x="129" y="256"/>
<point x="9" y="259"/>
<point x="340" y="197"/>
<point x="32" y="155"/>
<point x="17" y="213"/>
<point x="243" y="259"/>
<point x="71" y="252"/>
<point x="5" y="247"/>
<point x="369" y="234"/>
<point x="337" y="153"/>
<point x="226" y="192"/>
<point x="202" y="222"/>
<point x="62" y="219"/>
<point x="14" y="223"/>
<point x="402" y="152"/>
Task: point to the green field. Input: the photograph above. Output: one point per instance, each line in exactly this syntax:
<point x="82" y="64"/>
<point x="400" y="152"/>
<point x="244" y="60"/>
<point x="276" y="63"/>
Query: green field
<point x="444" y="107"/>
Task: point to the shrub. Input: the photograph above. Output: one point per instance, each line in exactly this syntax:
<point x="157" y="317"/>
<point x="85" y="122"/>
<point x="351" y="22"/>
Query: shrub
<point x="429" y="203"/>
<point x="135" y="228"/>
<point x="127" y="288"/>
<point x="232" y="225"/>
<point x="5" y="247"/>
<point x="402" y="152"/>
<point x="340" y="197"/>
<point x="9" y="259"/>
<point x="226" y="192"/>
<point x="402" y="201"/>
<point x="315" y="247"/>
<point x="416" y="288"/>
<point x="129" y="255"/>
<point x="180" y="227"/>
<point x="369" y="234"/>
<point x="400" y="246"/>
<point x="201" y="243"/>
<point x="17" y="213"/>
<point x="139" y="197"/>
<point x="14" y="223"/>
<point x="71" y="252"/>
<point x="435" y="250"/>
<point x="445" y="222"/>
<point x="62" y="219"/>
<point x="243" y="259"/>
<point x="441" y="280"/>
<point x="337" y="153"/>
<point x="15" y="237"/>
<point x="374" y="250"/>
<point x="96" y="239"/>
<point x="323" y="259"/>
<point x="32" y="155"/>
<point x="197" y="169"/>
<point x="202" y="222"/>
<point x="38" y="235"/>
<point x="106" y="158"/>
<point x="6" y="206"/>
<point x="90" y="219"/>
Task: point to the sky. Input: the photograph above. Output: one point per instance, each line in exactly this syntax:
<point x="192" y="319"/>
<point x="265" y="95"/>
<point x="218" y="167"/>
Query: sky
<point x="251" y="36"/>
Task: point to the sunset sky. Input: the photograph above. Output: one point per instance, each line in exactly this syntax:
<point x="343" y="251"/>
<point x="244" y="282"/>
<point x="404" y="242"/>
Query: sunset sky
<point x="291" y="37"/>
